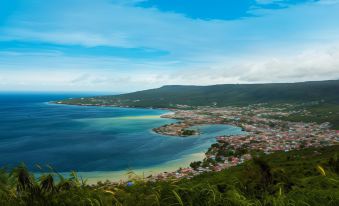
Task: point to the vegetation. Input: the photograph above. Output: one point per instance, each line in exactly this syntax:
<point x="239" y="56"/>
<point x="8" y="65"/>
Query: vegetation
<point x="305" y="177"/>
<point x="320" y="113"/>
<point x="188" y="132"/>
<point x="195" y="165"/>
<point x="221" y="95"/>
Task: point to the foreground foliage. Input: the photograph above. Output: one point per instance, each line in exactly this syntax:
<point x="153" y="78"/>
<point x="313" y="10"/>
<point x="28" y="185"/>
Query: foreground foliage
<point x="306" y="177"/>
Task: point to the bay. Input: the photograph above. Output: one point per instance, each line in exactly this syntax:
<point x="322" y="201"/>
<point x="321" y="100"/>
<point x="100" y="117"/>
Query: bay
<point x="92" y="139"/>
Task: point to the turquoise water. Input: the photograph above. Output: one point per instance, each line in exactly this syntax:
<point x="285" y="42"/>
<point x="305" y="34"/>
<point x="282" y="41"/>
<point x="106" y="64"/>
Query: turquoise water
<point x="89" y="139"/>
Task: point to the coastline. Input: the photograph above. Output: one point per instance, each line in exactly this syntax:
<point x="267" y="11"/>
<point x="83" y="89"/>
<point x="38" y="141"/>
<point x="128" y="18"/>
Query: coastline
<point x="168" y="167"/>
<point x="181" y="131"/>
<point x="113" y="106"/>
<point x="262" y="133"/>
<point x="123" y="175"/>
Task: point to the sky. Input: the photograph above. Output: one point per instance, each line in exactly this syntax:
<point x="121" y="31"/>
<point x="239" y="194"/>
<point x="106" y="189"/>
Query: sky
<point x="130" y="45"/>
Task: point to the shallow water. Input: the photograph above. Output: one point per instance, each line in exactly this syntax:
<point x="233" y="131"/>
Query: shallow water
<point x="93" y="139"/>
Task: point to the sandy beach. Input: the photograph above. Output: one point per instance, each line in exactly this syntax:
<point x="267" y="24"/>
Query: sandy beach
<point x="116" y="176"/>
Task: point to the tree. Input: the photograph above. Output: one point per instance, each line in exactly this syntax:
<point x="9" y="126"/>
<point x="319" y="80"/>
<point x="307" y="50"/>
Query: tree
<point x="195" y="165"/>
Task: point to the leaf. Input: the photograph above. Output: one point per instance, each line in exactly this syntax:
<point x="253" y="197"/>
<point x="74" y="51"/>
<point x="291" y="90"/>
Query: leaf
<point x="178" y="197"/>
<point x="321" y="170"/>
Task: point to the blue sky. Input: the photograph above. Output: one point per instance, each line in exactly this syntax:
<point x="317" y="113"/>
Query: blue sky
<point x="128" y="45"/>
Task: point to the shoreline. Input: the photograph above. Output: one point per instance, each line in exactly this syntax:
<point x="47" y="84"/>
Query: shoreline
<point x="263" y="133"/>
<point x="168" y="129"/>
<point x="139" y="173"/>
<point x="169" y="167"/>
<point x="113" y="106"/>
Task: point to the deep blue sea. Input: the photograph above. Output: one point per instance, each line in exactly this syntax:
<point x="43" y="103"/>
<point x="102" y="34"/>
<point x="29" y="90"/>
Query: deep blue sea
<point x="88" y="139"/>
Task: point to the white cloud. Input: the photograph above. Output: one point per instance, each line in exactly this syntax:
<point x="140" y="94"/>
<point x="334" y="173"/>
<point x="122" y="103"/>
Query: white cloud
<point x="321" y="63"/>
<point x="312" y="64"/>
<point x="277" y="46"/>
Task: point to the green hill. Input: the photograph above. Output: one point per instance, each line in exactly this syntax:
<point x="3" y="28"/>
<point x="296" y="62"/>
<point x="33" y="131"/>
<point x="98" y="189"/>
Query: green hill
<point x="222" y="95"/>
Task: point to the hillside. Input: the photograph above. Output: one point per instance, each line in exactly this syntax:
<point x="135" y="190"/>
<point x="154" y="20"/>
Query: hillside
<point x="305" y="177"/>
<point x="221" y="95"/>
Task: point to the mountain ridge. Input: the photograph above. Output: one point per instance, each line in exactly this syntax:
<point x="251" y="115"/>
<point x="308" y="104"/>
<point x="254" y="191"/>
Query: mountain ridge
<point x="169" y="96"/>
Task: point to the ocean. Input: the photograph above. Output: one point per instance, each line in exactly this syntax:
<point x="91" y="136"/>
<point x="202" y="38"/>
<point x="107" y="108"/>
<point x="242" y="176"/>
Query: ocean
<point x="92" y="140"/>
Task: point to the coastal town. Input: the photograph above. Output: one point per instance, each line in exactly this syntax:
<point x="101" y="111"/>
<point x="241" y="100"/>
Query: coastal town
<point x="263" y="132"/>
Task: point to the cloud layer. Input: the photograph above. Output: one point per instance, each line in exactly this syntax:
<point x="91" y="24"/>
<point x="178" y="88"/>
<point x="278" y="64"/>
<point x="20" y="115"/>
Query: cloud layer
<point x="118" y="46"/>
